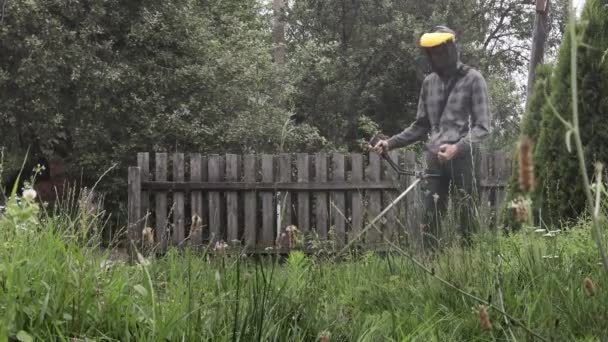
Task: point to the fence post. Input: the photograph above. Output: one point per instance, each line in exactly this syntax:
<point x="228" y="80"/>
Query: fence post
<point x="134" y="229"/>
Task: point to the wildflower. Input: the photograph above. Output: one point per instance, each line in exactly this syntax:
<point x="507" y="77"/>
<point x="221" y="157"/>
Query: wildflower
<point x="196" y="229"/>
<point x="522" y="208"/>
<point x="292" y="232"/>
<point x="107" y="264"/>
<point x="484" y="318"/>
<point x="526" y="166"/>
<point x="324" y="336"/>
<point x="220" y="246"/>
<point x="196" y="223"/>
<point x="148" y="236"/>
<point x="589" y="286"/>
<point x="29" y="194"/>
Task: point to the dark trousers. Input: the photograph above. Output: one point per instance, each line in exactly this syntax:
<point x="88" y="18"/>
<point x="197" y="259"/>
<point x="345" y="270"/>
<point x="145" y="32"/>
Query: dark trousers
<point x="458" y="180"/>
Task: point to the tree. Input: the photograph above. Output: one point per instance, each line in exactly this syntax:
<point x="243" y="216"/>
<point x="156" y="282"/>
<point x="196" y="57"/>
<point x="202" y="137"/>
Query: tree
<point x="560" y="188"/>
<point x="354" y="59"/>
<point x="530" y="128"/>
<point x="97" y="81"/>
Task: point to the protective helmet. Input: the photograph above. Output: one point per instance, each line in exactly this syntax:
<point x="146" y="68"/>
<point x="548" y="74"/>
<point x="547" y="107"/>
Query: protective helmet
<point x="440" y="47"/>
<point x="439" y="35"/>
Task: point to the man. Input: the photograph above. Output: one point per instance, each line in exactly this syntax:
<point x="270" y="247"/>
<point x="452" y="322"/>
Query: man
<point x="453" y="111"/>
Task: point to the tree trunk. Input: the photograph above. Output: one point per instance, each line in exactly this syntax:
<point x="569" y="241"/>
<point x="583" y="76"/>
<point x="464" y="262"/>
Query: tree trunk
<point x="539" y="37"/>
<point x="278" y="31"/>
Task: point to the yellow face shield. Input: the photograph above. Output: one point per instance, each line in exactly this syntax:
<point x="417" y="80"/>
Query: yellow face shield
<point x="429" y="40"/>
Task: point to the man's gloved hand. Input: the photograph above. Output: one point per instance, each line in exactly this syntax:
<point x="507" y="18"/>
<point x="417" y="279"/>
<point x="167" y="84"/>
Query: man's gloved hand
<point x="379" y="143"/>
<point x="381" y="146"/>
<point x="447" y="152"/>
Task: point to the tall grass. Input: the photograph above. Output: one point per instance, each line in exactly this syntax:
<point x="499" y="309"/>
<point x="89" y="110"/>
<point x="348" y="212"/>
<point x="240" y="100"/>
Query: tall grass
<point x="55" y="287"/>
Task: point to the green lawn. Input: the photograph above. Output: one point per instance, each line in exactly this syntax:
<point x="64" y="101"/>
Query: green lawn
<point x="56" y="284"/>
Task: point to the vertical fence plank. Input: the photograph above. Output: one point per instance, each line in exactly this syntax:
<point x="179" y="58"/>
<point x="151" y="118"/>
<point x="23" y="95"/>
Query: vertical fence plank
<point x="251" y="206"/>
<point x="143" y="161"/>
<point x="414" y="205"/>
<point x="374" y="234"/>
<point x="285" y="197"/>
<point x="160" y="199"/>
<point x="339" y="200"/>
<point x="179" y="234"/>
<point x="321" y="205"/>
<point x="357" y="196"/>
<point x="267" y="202"/>
<point x="134" y="209"/>
<point x="303" y="196"/>
<point x="232" y="200"/>
<point x="215" y="205"/>
<point x="196" y="201"/>
<point x="387" y="198"/>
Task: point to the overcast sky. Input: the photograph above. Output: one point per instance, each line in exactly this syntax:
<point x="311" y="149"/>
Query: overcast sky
<point x="578" y="4"/>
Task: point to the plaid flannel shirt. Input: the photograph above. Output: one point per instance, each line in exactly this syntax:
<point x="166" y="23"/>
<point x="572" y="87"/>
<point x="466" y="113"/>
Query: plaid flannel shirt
<point x="465" y="120"/>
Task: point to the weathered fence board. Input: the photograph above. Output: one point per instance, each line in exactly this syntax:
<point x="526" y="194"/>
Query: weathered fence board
<point x="232" y="200"/>
<point x="250" y="201"/>
<point x="251" y="204"/>
<point x="356" y="213"/>
<point x="321" y="203"/>
<point x="160" y="198"/>
<point x="284" y="197"/>
<point x="391" y="216"/>
<point x="303" y="197"/>
<point x="215" y="207"/>
<point x="268" y="209"/>
<point x="413" y="203"/>
<point x="143" y="162"/>
<point x="196" y="200"/>
<point x="178" y="201"/>
<point x="134" y="209"/>
<point x="338" y="200"/>
<point x="374" y="203"/>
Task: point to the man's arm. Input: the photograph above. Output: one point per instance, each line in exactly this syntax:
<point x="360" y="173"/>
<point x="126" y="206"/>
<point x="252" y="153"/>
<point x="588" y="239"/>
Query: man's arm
<point x="480" y="115"/>
<point x="416" y="130"/>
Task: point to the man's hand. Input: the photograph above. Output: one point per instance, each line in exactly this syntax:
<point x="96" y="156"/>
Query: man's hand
<point x="447" y="152"/>
<point x="381" y="146"/>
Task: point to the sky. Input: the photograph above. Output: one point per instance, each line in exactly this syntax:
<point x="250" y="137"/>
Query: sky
<point x="578" y="4"/>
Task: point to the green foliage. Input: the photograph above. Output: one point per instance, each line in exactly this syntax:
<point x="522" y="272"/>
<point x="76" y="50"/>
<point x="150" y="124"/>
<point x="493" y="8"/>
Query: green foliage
<point x="560" y="185"/>
<point x="95" y="82"/>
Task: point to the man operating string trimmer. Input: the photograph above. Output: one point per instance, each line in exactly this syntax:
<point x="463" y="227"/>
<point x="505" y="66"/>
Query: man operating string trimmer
<point x="453" y="111"/>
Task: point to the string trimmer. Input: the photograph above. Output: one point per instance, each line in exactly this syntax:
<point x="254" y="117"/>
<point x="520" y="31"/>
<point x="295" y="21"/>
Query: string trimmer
<point x="419" y="176"/>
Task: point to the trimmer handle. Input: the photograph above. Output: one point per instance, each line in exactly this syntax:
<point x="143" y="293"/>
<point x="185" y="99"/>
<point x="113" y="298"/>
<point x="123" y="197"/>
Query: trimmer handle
<point x="418" y="174"/>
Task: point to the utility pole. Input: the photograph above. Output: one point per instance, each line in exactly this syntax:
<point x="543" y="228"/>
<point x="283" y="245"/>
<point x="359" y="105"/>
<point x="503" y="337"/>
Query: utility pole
<point x="539" y="37"/>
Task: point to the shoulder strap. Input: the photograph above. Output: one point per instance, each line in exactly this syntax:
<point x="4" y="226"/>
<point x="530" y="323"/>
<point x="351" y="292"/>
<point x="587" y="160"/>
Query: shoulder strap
<point x="462" y="71"/>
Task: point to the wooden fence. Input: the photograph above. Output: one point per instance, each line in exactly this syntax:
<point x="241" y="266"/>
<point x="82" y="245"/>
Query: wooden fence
<point x="250" y="200"/>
